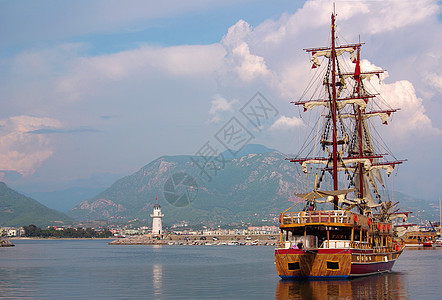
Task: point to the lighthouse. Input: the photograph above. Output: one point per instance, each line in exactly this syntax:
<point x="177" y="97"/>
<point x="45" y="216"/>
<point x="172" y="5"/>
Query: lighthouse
<point x="157" y="224"/>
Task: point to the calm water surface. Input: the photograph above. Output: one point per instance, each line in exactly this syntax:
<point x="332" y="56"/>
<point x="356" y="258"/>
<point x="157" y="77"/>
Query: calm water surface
<point x="92" y="269"/>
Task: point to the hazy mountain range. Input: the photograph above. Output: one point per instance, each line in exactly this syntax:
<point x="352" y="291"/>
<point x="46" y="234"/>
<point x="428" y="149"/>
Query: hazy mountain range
<point x="247" y="188"/>
<point x="255" y="184"/>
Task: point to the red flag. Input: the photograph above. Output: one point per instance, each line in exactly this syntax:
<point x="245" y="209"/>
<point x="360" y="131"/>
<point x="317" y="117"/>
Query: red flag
<point x="357" y="71"/>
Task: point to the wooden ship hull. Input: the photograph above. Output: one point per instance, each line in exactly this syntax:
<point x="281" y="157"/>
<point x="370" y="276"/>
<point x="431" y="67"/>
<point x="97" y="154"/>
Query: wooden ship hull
<point x="334" y="244"/>
<point x="337" y="263"/>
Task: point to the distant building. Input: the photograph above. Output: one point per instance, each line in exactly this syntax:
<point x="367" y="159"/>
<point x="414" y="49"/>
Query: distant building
<point x="157" y="223"/>
<point x="11" y="231"/>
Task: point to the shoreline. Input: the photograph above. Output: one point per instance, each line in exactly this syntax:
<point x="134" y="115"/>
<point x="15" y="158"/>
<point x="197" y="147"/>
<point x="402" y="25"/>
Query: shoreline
<point x="57" y="239"/>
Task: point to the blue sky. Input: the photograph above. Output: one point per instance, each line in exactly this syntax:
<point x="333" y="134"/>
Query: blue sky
<point x="99" y="89"/>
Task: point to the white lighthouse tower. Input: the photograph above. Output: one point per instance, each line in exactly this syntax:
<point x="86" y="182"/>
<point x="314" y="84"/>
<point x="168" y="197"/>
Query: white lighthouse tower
<point x="157" y="224"/>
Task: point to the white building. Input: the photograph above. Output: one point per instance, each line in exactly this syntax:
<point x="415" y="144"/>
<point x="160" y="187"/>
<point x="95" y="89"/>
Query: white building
<point x="157" y="223"/>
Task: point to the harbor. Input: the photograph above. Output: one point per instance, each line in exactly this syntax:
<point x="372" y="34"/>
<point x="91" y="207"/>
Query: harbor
<point x="221" y="150"/>
<point x="86" y="269"/>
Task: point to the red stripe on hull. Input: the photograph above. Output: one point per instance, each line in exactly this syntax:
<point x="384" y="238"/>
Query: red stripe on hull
<point x="360" y="269"/>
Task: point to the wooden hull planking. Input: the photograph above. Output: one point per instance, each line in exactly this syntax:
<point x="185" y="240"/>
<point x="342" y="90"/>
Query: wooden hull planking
<point x="336" y="263"/>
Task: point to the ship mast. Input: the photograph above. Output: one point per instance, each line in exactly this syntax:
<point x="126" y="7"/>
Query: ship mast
<point x="359" y="120"/>
<point x="333" y="113"/>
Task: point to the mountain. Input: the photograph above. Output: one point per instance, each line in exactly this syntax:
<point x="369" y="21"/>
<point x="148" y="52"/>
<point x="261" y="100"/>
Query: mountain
<point x="18" y="210"/>
<point x="246" y="150"/>
<point x="246" y="188"/>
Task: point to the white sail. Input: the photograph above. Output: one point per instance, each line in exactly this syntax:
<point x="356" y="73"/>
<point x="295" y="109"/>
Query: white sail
<point x="340" y="103"/>
<point x="327" y="53"/>
<point x="367" y="193"/>
<point x="384" y="116"/>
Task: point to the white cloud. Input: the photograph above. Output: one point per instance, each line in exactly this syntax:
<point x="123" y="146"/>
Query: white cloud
<point x="219" y="106"/>
<point x="434" y="80"/>
<point x="250" y="66"/>
<point x="247" y="66"/>
<point x="401" y="94"/>
<point x="237" y="34"/>
<point x="21" y="150"/>
<point x="287" y="123"/>
<point x="312" y="15"/>
<point x="411" y="117"/>
<point x="390" y="15"/>
<point x="90" y="74"/>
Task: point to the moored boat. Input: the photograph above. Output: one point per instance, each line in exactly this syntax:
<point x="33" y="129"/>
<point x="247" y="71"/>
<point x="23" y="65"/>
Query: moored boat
<point x="419" y="239"/>
<point x="341" y="232"/>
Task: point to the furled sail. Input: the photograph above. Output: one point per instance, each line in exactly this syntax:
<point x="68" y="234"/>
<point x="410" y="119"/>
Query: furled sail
<point x="340" y="103"/>
<point x="347" y="161"/>
<point x="384" y="116"/>
<point x="327" y="53"/>
<point x="318" y="194"/>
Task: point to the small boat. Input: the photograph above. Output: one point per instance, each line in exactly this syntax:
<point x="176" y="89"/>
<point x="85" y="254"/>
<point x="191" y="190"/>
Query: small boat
<point x="419" y="239"/>
<point x="342" y="230"/>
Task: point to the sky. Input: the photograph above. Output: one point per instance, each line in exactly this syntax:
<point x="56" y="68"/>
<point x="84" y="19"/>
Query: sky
<point x="93" y="91"/>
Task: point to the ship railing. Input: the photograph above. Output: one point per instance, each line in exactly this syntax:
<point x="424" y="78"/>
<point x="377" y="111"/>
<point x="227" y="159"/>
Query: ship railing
<point x="336" y="244"/>
<point x="325" y="216"/>
<point x="361" y="245"/>
<point x="384" y="249"/>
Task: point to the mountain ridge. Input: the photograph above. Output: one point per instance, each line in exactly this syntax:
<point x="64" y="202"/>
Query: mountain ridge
<point x="17" y="209"/>
<point x="246" y="188"/>
<point x="228" y="193"/>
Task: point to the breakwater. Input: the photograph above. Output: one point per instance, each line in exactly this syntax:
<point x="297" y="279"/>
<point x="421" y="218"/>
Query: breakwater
<point x="198" y="240"/>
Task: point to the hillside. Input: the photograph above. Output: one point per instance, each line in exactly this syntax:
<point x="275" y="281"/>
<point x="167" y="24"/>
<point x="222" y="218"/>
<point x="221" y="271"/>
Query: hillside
<point x="19" y="210"/>
<point x="250" y="188"/>
<point x="247" y="188"/>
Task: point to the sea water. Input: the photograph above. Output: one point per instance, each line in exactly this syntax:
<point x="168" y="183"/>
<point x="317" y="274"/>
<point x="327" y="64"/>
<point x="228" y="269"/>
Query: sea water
<point x="92" y="269"/>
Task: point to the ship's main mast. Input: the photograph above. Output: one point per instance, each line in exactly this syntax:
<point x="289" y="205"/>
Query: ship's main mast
<point x="359" y="120"/>
<point x="333" y="113"/>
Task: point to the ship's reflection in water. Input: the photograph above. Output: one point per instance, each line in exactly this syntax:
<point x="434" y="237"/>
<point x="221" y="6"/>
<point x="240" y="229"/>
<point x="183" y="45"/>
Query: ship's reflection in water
<point x="383" y="286"/>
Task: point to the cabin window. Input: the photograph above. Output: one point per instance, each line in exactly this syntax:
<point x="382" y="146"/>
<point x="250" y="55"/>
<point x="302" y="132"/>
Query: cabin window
<point x="294" y="266"/>
<point x="333" y="265"/>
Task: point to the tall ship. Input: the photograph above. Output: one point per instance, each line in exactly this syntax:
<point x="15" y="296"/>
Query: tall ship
<point x="344" y="224"/>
